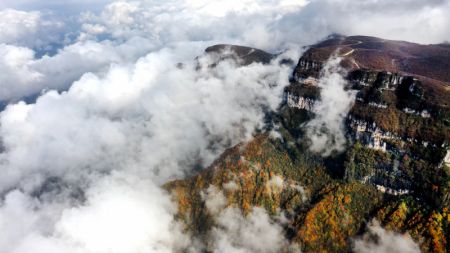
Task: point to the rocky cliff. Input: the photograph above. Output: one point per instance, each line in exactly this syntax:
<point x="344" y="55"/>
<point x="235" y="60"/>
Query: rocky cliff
<point x="394" y="168"/>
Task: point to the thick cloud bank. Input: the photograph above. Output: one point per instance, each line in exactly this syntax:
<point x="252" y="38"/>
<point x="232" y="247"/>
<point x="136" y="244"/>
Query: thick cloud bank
<point x="121" y="214"/>
<point x="82" y="169"/>
<point x="31" y="29"/>
<point x="411" y="20"/>
<point x="24" y="75"/>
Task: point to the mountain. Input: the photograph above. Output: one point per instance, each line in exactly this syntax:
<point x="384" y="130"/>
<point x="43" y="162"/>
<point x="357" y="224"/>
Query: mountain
<point x="245" y="55"/>
<point x="429" y="64"/>
<point x="431" y="61"/>
<point x="394" y="169"/>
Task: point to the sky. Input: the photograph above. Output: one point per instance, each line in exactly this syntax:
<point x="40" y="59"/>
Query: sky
<point x="98" y="113"/>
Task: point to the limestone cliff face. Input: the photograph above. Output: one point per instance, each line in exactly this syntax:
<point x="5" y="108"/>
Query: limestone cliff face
<point x="396" y="112"/>
<point x="302" y="94"/>
<point x="306" y="68"/>
<point x="298" y="102"/>
<point x="364" y="77"/>
<point x="382" y="79"/>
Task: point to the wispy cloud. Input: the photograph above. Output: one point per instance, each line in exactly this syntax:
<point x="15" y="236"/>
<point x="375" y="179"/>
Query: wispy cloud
<point x="379" y="240"/>
<point x="326" y="130"/>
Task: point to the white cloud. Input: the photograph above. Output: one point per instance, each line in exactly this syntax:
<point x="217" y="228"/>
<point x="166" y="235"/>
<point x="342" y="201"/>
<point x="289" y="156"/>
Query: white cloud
<point x="24" y="75"/>
<point x="31" y="29"/>
<point x="17" y="73"/>
<point x="214" y="199"/>
<point x="55" y="5"/>
<point x="379" y="240"/>
<point x="235" y="232"/>
<point x="256" y="232"/>
<point x="412" y="20"/>
<point x="275" y="182"/>
<point x="111" y="121"/>
<point x="121" y="214"/>
<point x="230" y="186"/>
<point x="221" y="8"/>
<point x="15" y="24"/>
<point x="245" y="22"/>
<point x="271" y="24"/>
<point x="326" y="129"/>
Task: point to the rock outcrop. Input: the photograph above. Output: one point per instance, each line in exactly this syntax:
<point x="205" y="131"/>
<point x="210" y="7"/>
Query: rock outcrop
<point x="307" y="68"/>
<point x="298" y="102"/>
<point x="382" y="79"/>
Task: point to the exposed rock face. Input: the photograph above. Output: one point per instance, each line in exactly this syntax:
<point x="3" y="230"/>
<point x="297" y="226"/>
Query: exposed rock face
<point x="423" y="113"/>
<point x="306" y="68"/>
<point x="389" y="80"/>
<point x="361" y="126"/>
<point x="370" y="134"/>
<point x="294" y="101"/>
<point x="447" y="158"/>
<point x="384" y="98"/>
<point x="363" y="77"/>
<point x="378" y="105"/>
<point x="382" y="79"/>
<point x="391" y="191"/>
<point x="302" y="94"/>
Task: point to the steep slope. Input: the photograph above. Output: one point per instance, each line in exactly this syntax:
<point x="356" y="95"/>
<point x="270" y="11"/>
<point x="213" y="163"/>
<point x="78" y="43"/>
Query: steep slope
<point x="271" y="174"/>
<point x="393" y="169"/>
